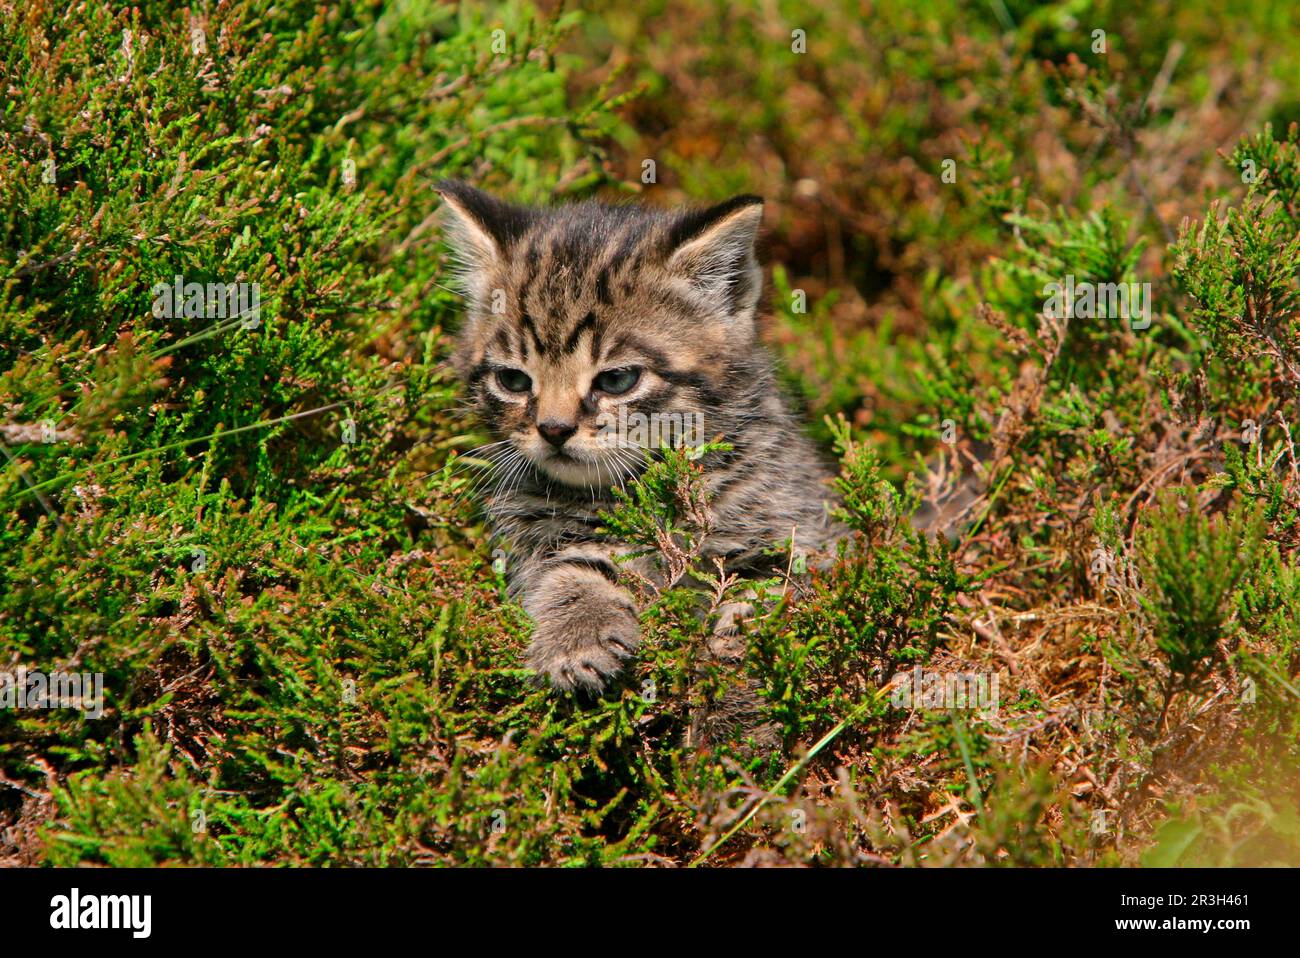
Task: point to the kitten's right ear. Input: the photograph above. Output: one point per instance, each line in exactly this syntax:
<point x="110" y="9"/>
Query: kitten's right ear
<point x="713" y="251"/>
<point x="481" y="228"/>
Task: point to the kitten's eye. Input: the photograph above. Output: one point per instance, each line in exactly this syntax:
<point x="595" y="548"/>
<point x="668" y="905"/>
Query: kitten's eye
<point x="514" y="380"/>
<point x="615" y="382"/>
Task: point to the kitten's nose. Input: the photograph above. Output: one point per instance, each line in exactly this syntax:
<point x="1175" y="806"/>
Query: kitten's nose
<point x="556" y="432"/>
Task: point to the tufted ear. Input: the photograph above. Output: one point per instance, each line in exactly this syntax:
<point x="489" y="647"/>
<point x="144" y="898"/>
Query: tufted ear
<point x="713" y="250"/>
<point x="480" y="229"/>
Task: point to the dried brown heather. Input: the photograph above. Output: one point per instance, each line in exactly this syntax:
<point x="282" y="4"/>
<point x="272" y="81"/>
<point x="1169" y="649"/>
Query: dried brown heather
<point x="586" y="318"/>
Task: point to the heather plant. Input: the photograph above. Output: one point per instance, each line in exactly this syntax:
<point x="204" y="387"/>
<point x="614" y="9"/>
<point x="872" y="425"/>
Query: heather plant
<point x="1191" y="566"/>
<point x="1239" y="267"/>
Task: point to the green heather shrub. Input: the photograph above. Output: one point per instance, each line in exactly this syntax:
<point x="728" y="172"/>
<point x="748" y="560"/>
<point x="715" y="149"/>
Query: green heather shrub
<point x="1191" y="566"/>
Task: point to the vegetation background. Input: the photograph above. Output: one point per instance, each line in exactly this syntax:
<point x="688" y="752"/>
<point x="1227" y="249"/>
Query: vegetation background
<point x="307" y="655"/>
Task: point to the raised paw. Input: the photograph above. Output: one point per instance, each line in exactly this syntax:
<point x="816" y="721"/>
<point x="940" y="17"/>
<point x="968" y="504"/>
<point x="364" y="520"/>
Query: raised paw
<point x="583" y="648"/>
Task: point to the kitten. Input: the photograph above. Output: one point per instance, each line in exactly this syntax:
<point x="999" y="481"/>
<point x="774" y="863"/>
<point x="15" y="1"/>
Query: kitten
<point x="579" y="314"/>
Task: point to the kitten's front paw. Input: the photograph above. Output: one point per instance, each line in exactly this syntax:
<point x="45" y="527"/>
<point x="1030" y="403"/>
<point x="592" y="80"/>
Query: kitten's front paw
<point x="584" y="648"/>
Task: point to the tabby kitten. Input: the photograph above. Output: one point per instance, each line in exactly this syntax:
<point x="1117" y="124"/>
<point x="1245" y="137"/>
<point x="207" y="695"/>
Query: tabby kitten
<point x="579" y="313"/>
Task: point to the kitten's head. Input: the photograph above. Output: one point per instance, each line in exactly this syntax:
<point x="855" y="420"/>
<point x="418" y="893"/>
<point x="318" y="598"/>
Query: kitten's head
<point x="576" y="311"/>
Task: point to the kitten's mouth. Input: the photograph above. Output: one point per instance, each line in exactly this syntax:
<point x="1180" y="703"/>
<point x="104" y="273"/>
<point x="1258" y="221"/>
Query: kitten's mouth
<point x="579" y="468"/>
<point x="563" y="458"/>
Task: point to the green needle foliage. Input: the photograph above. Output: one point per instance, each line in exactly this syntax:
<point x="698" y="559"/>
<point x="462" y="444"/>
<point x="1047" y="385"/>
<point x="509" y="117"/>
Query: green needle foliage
<point x="1191" y="565"/>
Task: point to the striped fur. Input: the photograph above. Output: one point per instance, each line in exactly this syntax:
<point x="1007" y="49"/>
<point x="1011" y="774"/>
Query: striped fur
<point x="565" y="294"/>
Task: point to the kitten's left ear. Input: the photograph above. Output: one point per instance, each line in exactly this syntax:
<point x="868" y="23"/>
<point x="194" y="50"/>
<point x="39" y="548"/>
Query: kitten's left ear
<point x="713" y="249"/>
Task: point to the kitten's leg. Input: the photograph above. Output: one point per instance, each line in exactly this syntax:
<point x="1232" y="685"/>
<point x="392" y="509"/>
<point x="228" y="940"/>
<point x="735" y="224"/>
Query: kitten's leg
<point x="726" y="641"/>
<point x="739" y="713"/>
<point x="586" y="624"/>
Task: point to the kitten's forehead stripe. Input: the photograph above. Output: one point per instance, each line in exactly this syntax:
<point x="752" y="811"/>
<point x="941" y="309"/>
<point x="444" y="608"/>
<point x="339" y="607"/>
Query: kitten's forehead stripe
<point x="532" y="259"/>
<point x="531" y="328"/>
<point x="587" y="322"/>
<point x="624" y="250"/>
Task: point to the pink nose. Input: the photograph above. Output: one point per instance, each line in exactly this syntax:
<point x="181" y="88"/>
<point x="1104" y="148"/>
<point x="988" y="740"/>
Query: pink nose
<point x="556" y="433"/>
